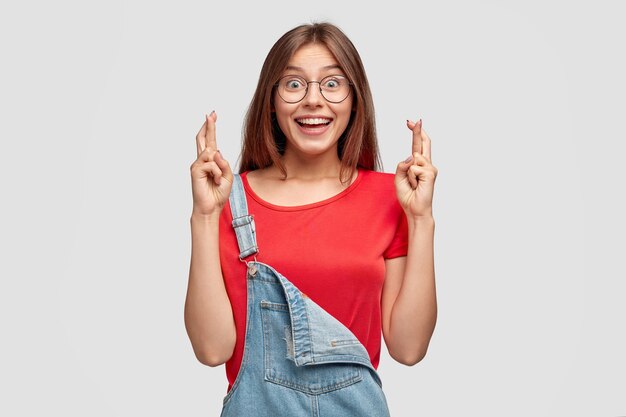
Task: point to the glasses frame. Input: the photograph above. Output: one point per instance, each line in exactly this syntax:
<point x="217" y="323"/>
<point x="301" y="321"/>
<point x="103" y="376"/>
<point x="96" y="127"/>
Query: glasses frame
<point x="306" y="90"/>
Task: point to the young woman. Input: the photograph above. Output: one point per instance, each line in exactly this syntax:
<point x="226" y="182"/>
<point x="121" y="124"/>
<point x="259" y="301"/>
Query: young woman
<point x="301" y="260"/>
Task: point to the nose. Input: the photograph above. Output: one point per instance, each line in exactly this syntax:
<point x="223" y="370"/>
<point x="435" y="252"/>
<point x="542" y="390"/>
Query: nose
<point x="313" y="95"/>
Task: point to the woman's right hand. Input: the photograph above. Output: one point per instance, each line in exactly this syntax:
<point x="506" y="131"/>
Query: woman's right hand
<point x="211" y="176"/>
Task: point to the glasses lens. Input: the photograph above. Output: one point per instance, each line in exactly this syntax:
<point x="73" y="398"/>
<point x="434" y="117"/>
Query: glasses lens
<point x="292" y="88"/>
<point x="335" y="88"/>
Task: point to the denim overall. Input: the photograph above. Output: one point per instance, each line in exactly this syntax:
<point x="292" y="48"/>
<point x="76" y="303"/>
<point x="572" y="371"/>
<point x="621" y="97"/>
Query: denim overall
<point x="298" y="360"/>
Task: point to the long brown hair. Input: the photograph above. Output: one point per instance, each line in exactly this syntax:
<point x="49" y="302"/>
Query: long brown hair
<point x="263" y="140"/>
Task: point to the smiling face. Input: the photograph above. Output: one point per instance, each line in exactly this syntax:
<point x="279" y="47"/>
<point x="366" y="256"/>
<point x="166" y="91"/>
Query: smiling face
<point x="312" y="126"/>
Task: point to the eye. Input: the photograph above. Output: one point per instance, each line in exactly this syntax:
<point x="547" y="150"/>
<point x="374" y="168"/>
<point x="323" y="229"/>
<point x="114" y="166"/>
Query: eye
<point x="333" y="83"/>
<point x="293" y="83"/>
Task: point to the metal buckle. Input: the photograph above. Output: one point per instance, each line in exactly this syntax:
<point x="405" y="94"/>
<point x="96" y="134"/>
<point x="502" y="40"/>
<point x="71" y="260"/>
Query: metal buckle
<point x="252" y="269"/>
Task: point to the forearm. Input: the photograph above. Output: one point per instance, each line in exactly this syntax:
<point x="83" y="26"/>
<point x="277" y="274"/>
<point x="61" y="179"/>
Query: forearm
<point x="414" y="313"/>
<point x="208" y="313"/>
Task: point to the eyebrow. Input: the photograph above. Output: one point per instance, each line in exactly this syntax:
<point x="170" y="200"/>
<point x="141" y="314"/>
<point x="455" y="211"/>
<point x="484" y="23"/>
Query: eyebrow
<point x="327" y="67"/>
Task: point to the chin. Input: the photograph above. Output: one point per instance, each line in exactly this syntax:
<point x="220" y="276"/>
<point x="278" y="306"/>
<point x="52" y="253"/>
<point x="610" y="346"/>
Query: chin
<point x="313" y="146"/>
<point x="312" y="150"/>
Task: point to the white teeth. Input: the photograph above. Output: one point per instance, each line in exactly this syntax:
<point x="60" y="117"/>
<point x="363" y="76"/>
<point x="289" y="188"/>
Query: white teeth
<point x="316" y="121"/>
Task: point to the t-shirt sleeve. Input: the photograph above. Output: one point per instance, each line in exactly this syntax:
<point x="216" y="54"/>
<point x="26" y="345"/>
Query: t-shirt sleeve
<point x="400" y="243"/>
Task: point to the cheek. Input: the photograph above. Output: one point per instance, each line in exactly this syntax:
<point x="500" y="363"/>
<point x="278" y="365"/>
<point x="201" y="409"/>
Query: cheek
<point x="282" y="116"/>
<point x="349" y="106"/>
<point x="284" y="124"/>
<point x="283" y="109"/>
<point x="345" y="112"/>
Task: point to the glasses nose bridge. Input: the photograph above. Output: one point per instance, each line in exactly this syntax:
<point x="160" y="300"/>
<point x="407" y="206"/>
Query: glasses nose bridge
<point x="319" y="90"/>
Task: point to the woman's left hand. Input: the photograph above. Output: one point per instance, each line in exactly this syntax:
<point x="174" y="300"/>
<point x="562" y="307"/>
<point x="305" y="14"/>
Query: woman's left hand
<point x="415" y="176"/>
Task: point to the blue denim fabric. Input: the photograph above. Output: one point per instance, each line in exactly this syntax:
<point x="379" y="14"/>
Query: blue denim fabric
<point x="298" y="359"/>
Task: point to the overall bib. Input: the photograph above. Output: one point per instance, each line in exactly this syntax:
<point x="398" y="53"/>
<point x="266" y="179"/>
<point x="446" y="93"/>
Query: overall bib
<point x="298" y="360"/>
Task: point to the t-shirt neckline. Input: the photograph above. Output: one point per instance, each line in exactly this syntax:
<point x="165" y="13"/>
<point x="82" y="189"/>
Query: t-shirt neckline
<point x="343" y="193"/>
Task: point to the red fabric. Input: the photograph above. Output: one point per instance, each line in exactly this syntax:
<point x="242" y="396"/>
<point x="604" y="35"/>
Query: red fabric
<point x="332" y="250"/>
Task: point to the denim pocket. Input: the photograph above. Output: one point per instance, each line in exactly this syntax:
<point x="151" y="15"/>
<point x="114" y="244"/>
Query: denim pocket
<point x="279" y="364"/>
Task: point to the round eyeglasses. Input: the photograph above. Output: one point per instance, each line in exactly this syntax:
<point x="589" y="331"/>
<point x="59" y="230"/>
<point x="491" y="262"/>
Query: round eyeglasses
<point x="293" y="88"/>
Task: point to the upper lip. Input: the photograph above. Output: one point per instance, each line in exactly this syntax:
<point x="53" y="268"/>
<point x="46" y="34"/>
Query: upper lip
<point x="313" y="116"/>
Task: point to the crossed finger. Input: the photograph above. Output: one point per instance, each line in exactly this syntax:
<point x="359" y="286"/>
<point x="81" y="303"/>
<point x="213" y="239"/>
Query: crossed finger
<point x="206" y="136"/>
<point x="200" y="142"/>
<point x="417" y="137"/>
<point x="426" y="146"/>
<point x="421" y="140"/>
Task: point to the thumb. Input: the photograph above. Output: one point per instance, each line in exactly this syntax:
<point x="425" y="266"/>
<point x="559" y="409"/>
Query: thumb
<point x="224" y="166"/>
<point x="403" y="167"/>
<point x="404" y="172"/>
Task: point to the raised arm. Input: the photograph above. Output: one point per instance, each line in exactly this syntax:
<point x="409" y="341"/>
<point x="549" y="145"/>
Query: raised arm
<point x="208" y="313"/>
<point x="409" y="300"/>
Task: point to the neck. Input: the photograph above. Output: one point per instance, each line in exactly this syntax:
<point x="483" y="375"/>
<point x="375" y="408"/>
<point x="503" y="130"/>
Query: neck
<point x="307" y="167"/>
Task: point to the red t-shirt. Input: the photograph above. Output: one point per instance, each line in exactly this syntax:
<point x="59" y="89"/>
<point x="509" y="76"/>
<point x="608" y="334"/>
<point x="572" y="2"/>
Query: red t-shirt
<point x="332" y="250"/>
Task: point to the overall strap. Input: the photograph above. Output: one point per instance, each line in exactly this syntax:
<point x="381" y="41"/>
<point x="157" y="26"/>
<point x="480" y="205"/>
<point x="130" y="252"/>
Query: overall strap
<point x="243" y="223"/>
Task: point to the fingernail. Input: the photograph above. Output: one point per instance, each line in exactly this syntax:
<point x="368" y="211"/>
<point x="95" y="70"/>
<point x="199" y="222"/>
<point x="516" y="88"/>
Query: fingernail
<point x="407" y="120"/>
<point x="212" y="113"/>
<point x="420" y="122"/>
<point x="409" y="159"/>
<point x="218" y="151"/>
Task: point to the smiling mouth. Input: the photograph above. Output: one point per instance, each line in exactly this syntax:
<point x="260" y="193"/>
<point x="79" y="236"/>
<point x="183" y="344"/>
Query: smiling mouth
<point x="313" y="122"/>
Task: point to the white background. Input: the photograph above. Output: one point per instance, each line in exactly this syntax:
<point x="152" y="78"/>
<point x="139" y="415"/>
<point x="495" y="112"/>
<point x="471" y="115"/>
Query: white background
<point x="100" y="103"/>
